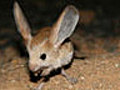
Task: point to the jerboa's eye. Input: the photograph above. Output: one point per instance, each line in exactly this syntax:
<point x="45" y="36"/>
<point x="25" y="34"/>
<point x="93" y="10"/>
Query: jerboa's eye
<point x="43" y="56"/>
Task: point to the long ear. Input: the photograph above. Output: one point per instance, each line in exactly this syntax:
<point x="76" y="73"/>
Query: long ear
<point x="21" y="22"/>
<point x="65" y="25"/>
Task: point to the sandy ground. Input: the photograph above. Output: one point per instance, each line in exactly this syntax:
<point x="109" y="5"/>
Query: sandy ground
<point x="97" y="43"/>
<point x="98" y="68"/>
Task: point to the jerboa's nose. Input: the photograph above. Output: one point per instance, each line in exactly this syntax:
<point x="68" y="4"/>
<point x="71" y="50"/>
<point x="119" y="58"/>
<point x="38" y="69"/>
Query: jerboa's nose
<point x="32" y="67"/>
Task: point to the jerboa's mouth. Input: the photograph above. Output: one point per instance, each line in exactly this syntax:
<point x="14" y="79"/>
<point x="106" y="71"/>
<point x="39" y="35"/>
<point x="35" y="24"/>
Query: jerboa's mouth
<point x="39" y="71"/>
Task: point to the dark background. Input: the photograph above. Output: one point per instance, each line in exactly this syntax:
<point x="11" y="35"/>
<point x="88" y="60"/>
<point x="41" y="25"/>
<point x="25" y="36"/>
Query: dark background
<point x="96" y="40"/>
<point x="40" y="13"/>
<point x="45" y="12"/>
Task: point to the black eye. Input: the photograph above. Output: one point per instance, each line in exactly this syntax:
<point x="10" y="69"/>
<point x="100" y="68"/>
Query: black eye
<point x="43" y="56"/>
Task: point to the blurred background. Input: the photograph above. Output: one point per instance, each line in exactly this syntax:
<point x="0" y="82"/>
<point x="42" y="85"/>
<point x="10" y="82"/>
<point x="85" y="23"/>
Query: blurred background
<point x="100" y="18"/>
<point x="96" y="40"/>
<point x="98" y="28"/>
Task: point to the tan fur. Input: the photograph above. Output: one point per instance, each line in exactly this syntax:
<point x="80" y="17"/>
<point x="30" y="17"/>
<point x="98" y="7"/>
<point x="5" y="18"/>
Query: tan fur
<point x="56" y="55"/>
<point x="47" y="49"/>
<point x="22" y="25"/>
<point x="42" y="35"/>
